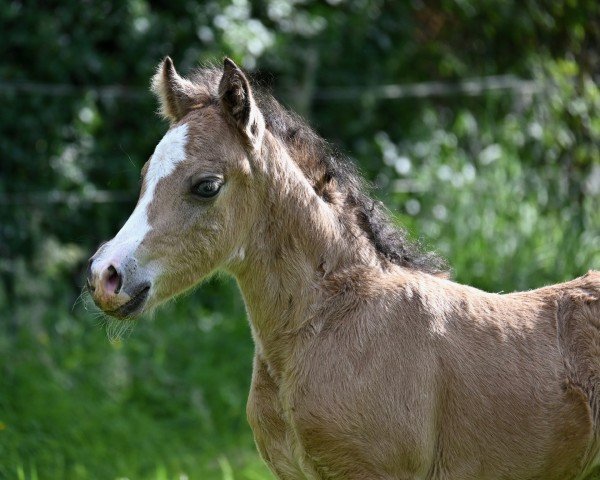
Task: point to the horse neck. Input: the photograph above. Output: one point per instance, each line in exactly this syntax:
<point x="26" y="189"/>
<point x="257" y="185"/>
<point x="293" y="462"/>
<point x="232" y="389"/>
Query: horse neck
<point x="296" y="243"/>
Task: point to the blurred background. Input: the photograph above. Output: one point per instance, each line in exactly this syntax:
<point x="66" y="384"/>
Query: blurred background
<point x="478" y="123"/>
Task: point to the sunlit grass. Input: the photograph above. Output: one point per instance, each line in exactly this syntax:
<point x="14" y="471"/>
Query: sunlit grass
<point x="250" y="467"/>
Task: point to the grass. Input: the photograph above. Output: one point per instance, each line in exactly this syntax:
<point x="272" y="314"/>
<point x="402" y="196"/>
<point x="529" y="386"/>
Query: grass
<point x="168" y="402"/>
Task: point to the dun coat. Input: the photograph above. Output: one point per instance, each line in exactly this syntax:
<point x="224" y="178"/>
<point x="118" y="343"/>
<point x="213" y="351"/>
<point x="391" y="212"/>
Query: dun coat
<point x="370" y="362"/>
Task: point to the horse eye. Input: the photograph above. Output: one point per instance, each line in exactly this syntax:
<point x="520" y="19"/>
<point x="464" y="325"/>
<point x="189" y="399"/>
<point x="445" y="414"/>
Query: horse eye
<point x="207" y="188"/>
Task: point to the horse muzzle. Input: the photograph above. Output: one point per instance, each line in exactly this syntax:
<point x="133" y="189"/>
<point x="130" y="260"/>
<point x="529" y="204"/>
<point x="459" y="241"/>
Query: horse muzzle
<point x="116" y="285"/>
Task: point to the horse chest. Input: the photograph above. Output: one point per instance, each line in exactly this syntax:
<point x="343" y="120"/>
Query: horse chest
<point x="274" y="435"/>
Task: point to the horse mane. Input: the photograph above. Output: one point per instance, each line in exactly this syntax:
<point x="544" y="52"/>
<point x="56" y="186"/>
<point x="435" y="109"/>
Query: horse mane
<point x="335" y="178"/>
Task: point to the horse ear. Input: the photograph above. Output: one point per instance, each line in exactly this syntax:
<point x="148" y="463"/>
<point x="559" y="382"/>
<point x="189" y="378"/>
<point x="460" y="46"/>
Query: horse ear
<point x="238" y="103"/>
<point x="176" y="95"/>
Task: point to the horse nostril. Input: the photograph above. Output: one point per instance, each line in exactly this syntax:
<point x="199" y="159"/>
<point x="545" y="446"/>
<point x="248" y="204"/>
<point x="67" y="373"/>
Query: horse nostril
<point x="113" y="280"/>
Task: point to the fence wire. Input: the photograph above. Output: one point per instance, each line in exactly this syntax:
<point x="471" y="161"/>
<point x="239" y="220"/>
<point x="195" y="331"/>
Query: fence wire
<point x="468" y="87"/>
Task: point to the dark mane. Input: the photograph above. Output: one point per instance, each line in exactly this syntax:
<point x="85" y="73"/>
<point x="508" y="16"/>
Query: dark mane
<point x="336" y="179"/>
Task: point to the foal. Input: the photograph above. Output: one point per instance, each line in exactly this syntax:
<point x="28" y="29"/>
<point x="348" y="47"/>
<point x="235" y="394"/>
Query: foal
<point x="369" y="363"/>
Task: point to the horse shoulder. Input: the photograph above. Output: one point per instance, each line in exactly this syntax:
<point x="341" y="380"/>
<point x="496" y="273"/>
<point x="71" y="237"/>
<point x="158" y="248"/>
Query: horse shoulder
<point x="363" y="401"/>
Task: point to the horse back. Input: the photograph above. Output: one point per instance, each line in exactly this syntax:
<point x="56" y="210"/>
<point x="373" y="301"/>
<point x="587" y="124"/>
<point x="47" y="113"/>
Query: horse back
<point x="570" y="313"/>
<point x="519" y="376"/>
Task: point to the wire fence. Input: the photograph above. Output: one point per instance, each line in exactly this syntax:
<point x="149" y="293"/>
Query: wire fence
<point x="68" y="90"/>
<point x="467" y="87"/>
<point x="73" y="199"/>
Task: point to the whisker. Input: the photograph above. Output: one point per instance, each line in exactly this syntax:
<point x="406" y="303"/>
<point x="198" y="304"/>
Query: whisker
<point x="128" y="156"/>
<point x="80" y="298"/>
<point x="117" y="330"/>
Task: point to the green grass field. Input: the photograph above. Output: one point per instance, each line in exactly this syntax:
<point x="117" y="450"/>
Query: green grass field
<point x="165" y="402"/>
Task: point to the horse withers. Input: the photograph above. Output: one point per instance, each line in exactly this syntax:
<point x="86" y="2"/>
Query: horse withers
<point x="369" y="362"/>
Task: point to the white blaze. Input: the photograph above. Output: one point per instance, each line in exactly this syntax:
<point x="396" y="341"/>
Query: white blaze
<point x="168" y="154"/>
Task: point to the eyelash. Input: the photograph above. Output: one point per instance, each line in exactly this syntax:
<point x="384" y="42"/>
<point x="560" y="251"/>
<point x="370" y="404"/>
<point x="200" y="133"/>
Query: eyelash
<point x="214" y="185"/>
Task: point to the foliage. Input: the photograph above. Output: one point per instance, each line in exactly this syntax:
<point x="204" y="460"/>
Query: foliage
<point x="506" y="185"/>
<point x="521" y="190"/>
